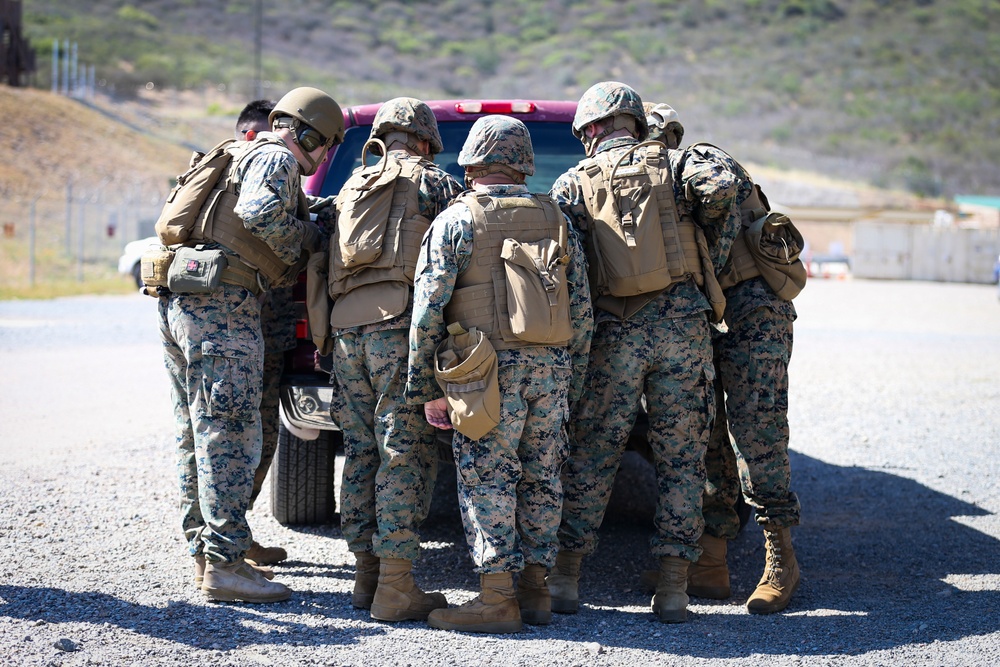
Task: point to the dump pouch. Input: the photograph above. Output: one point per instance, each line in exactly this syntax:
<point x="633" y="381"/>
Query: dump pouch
<point x="196" y="270"/>
<point x="776" y="244"/>
<point x="466" y="369"/>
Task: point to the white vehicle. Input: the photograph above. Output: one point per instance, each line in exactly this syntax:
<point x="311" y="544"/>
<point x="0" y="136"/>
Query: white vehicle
<point x="128" y="263"/>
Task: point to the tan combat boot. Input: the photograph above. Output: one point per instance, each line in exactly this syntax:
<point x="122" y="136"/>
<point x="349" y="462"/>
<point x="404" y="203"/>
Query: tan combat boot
<point x="564" y="582"/>
<point x="533" y="596"/>
<point x="397" y="597"/>
<point x="365" y="579"/>
<point x="494" y="610"/>
<point x="670" y="600"/>
<point x="239" y="582"/>
<point x="199" y="570"/>
<point x="708" y="577"/>
<point x="265" y="555"/>
<point x="781" y="573"/>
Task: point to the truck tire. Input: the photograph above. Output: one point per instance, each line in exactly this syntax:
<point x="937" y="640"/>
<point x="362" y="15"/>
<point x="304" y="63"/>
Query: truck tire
<point x="302" y="478"/>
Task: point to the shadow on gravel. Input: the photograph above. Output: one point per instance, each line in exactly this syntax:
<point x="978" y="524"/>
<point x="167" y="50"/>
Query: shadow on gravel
<point x="220" y="627"/>
<point x="875" y="550"/>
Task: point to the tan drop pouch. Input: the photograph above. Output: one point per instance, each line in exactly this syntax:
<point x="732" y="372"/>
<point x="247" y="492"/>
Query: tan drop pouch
<point x="465" y="366"/>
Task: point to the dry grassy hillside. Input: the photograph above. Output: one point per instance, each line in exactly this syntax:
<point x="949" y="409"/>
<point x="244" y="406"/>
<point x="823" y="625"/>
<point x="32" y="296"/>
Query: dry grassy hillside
<point x="46" y="139"/>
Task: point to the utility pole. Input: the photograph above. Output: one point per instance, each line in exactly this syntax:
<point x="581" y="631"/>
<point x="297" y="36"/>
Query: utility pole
<point x="257" y="39"/>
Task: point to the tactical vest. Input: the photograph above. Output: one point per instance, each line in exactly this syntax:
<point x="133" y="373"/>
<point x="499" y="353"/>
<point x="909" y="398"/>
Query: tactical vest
<point x="218" y="222"/>
<point x="480" y="296"/>
<point x="380" y="255"/>
<point x="639" y="242"/>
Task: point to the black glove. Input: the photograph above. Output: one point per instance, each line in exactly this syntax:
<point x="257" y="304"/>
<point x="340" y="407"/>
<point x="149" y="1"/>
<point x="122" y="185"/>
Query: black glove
<point x="312" y="237"/>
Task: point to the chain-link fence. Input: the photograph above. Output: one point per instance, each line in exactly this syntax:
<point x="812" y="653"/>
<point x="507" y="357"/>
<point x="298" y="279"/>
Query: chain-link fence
<point x="73" y="232"/>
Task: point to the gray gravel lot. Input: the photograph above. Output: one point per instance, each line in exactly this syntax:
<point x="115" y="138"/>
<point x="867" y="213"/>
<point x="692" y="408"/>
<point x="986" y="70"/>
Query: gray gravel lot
<point x="895" y="415"/>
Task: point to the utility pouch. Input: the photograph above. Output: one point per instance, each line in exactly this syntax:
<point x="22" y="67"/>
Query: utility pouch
<point x="196" y="270"/>
<point x="154" y="265"/>
<point x="537" y="292"/>
<point x="465" y="366"/>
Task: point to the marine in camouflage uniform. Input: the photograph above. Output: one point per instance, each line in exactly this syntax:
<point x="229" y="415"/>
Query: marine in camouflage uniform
<point x="508" y="480"/>
<point x="751" y="353"/>
<point x="662" y="351"/>
<point x="213" y="352"/>
<point x="390" y="450"/>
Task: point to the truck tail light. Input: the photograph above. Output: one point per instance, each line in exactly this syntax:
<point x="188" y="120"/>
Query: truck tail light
<point x="495" y="107"/>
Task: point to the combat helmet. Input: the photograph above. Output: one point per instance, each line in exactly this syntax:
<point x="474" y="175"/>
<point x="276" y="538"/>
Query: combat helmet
<point x="304" y="109"/>
<point x="403" y="118"/>
<point x="609" y="99"/>
<point x="662" y="120"/>
<point x="498" y="144"/>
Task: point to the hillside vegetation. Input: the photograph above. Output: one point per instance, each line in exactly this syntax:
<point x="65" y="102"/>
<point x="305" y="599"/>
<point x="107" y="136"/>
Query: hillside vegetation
<point x="900" y="93"/>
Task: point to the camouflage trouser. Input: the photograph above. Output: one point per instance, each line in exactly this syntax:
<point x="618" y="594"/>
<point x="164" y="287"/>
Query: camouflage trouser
<point x="390" y="463"/>
<point x="509" y="491"/>
<point x="752" y="364"/>
<point x="274" y="365"/>
<point x="671" y="361"/>
<point x="213" y="351"/>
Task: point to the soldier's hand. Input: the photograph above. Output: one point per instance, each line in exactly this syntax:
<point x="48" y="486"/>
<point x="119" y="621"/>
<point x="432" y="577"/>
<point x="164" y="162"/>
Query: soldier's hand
<point x="436" y="412"/>
<point x="311" y="237"/>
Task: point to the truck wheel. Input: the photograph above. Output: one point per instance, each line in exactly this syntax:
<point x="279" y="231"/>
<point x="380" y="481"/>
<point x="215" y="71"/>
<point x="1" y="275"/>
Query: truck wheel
<point x="137" y="275"/>
<point x="302" y="478"/>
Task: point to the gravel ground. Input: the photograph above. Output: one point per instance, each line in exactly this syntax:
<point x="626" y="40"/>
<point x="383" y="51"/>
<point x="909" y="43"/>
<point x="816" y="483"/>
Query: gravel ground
<point x="895" y="415"/>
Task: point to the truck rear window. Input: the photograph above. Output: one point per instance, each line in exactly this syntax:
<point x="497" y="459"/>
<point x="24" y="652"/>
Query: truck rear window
<point x="556" y="150"/>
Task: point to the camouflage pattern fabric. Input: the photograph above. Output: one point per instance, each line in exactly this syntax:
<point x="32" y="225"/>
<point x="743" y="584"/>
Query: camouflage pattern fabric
<point x="213" y="352"/>
<point x="499" y="140"/>
<point x="606" y="99"/>
<point x="664" y="351"/>
<point x="509" y="487"/>
<point x="715" y="186"/>
<point x="390" y="455"/>
<point x="751" y="363"/>
<point x="390" y="463"/>
<point x="753" y="367"/>
<point x="268" y="201"/>
<point x="408" y="114"/>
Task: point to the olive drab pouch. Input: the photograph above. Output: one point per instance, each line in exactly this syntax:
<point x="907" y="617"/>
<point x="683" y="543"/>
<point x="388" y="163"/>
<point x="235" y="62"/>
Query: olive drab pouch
<point x="776" y="244"/>
<point x="196" y="270"/>
<point x="465" y="366"/>
<point x="186" y="199"/>
<point x="363" y="208"/>
<point x="318" y="302"/>
<point x="537" y="291"/>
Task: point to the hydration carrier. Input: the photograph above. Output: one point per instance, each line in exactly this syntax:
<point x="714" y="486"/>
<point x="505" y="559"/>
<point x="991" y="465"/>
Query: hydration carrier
<point x="638" y="242"/>
<point x="377" y="239"/>
<point x="188" y="196"/>
<point x="201" y="207"/>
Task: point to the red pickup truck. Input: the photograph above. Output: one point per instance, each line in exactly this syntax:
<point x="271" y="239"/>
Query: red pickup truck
<point x="302" y="474"/>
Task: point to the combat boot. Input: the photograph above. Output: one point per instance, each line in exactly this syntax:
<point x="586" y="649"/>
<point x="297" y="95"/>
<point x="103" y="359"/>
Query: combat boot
<point x="494" y="610"/>
<point x="533" y="596"/>
<point x="670" y="600"/>
<point x="365" y="579"/>
<point x="199" y="570"/>
<point x="708" y="577"/>
<point x="239" y="582"/>
<point x="781" y="573"/>
<point x="397" y="597"/>
<point x="564" y="582"/>
<point x="265" y="555"/>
